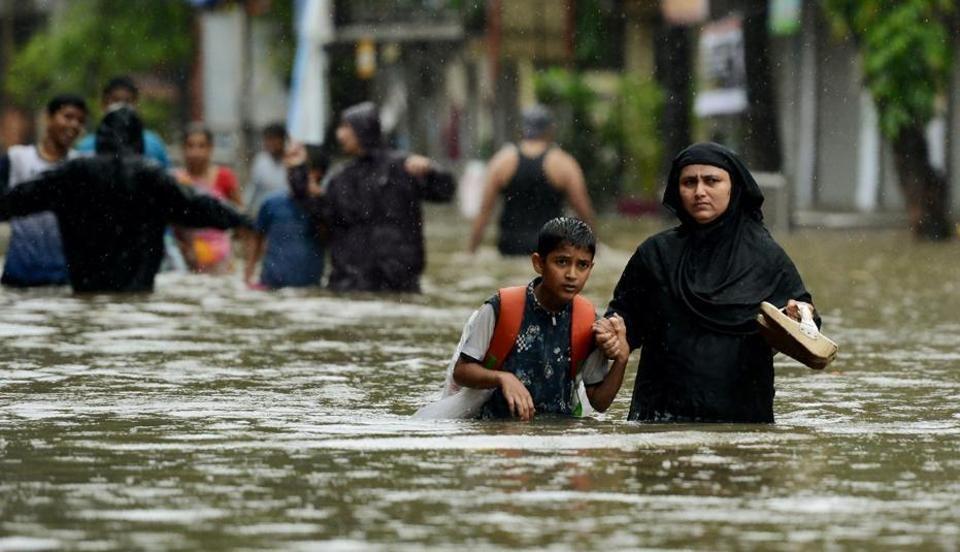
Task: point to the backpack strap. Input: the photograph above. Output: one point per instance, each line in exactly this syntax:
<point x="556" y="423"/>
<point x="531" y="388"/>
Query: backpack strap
<point x="581" y="333"/>
<point x="513" y="301"/>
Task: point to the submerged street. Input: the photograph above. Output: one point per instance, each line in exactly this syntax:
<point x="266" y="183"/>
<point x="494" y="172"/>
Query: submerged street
<point x="210" y="416"/>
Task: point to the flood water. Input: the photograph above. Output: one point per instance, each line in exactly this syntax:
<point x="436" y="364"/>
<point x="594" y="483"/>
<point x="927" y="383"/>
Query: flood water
<point x="210" y="417"/>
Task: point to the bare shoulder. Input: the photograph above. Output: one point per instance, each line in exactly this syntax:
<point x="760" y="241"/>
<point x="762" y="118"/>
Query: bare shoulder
<point x="503" y="164"/>
<point x="557" y="156"/>
<point x="560" y="166"/>
<point x="506" y="155"/>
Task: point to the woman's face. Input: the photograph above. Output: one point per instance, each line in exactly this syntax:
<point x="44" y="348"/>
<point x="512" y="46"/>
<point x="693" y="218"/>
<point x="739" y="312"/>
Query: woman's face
<point x="197" y="149"/>
<point x="705" y="192"/>
<point x="349" y="142"/>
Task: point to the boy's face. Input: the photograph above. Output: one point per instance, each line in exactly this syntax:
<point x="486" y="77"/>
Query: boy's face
<point x="564" y="271"/>
<point x="273" y="145"/>
<point x="66" y="124"/>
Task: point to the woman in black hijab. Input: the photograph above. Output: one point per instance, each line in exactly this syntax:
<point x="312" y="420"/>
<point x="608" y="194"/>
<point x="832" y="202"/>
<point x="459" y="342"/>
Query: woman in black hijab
<point x="689" y="297"/>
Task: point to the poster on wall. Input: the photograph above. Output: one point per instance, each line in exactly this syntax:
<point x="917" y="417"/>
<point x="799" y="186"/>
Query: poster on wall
<point x="722" y="74"/>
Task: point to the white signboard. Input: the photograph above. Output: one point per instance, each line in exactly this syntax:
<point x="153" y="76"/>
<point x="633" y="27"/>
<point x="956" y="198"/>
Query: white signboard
<point x="722" y="86"/>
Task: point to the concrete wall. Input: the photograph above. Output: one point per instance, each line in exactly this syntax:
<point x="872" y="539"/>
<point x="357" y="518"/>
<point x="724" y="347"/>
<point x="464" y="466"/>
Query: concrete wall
<point x="838" y="123"/>
<point x="835" y="157"/>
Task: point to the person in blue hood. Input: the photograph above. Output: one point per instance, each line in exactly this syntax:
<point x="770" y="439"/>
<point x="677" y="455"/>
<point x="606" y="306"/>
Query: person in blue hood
<point x="371" y="208"/>
<point x="112" y="209"/>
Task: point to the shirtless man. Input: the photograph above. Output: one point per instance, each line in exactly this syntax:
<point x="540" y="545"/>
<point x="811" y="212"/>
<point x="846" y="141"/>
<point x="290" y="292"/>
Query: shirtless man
<point x="534" y="177"/>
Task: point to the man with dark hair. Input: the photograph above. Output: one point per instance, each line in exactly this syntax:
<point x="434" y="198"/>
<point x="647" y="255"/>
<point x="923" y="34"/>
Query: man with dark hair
<point x="35" y="254"/>
<point x="112" y="209"/>
<point x="122" y="90"/>
<point x="534" y="177"/>
<point x="267" y="175"/>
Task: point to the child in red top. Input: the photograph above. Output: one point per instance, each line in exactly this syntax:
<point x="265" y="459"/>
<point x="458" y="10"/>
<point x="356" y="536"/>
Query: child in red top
<point x="206" y="249"/>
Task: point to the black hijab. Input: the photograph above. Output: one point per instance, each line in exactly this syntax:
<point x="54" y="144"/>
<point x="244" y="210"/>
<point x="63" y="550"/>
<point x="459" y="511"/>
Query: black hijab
<point x="728" y="266"/>
<point x="364" y="118"/>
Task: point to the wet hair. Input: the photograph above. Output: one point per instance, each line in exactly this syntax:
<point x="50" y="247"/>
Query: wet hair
<point x="275" y="130"/>
<point x="60" y="101"/>
<point x="317" y="159"/>
<point x="119" y="134"/>
<point x="198" y="128"/>
<point x="121" y="82"/>
<point x="562" y="230"/>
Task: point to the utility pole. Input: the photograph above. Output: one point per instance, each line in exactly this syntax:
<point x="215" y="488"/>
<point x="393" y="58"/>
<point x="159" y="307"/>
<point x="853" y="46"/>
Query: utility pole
<point x="246" y="134"/>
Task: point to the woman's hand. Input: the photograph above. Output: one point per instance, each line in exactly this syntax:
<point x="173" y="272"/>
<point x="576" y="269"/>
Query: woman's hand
<point x="611" y="336"/>
<point x="517" y="396"/>
<point x="793" y="309"/>
<point x="417" y="166"/>
<point x="314" y="189"/>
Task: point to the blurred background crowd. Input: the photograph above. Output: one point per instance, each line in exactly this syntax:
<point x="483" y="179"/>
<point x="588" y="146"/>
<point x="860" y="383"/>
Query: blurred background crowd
<point x="848" y="106"/>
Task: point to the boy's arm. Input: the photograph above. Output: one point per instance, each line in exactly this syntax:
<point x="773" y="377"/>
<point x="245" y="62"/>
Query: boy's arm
<point x="469" y="373"/>
<point x="254" y="254"/>
<point x="257" y="241"/>
<point x="601" y="395"/>
<point x="611" y="336"/>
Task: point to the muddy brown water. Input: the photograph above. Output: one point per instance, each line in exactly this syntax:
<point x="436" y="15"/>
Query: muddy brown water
<point x="211" y="417"/>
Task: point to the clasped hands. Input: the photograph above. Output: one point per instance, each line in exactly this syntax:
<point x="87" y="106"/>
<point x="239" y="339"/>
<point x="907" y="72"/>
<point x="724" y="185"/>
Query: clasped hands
<point x="611" y="337"/>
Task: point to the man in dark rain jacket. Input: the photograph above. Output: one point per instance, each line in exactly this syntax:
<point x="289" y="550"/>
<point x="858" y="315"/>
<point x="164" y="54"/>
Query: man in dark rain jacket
<point x="371" y="209"/>
<point x="112" y="209"/>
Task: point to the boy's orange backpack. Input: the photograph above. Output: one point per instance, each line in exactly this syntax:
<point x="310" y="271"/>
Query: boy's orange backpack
<point x="512" y="305"/>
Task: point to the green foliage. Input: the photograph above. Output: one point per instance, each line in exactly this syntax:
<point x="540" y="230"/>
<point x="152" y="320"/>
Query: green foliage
<point x="597" y="34"/>
<point x="906" y="54"/>
<point x="284" y="48"/>
<point x="558" y="86"/>
<point x="573" y="101"/>
<point x="636" y="124"/>
<point x="97" y="39"/>
<point x="614" y="139"/>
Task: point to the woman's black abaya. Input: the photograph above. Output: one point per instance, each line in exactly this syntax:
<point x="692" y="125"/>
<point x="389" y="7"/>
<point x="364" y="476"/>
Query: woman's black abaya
<point x="689" y="297"/>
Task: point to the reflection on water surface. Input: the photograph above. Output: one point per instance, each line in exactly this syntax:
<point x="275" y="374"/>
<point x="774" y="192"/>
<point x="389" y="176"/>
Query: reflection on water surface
<point x="207" y="416"/>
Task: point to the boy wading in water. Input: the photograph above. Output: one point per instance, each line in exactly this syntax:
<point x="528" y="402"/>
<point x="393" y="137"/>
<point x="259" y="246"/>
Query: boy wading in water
<point x="534" y="345"/>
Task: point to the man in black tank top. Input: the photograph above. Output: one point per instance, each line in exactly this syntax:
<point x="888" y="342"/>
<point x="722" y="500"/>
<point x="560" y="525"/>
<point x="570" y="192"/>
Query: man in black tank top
<point x="534" y="177"/>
